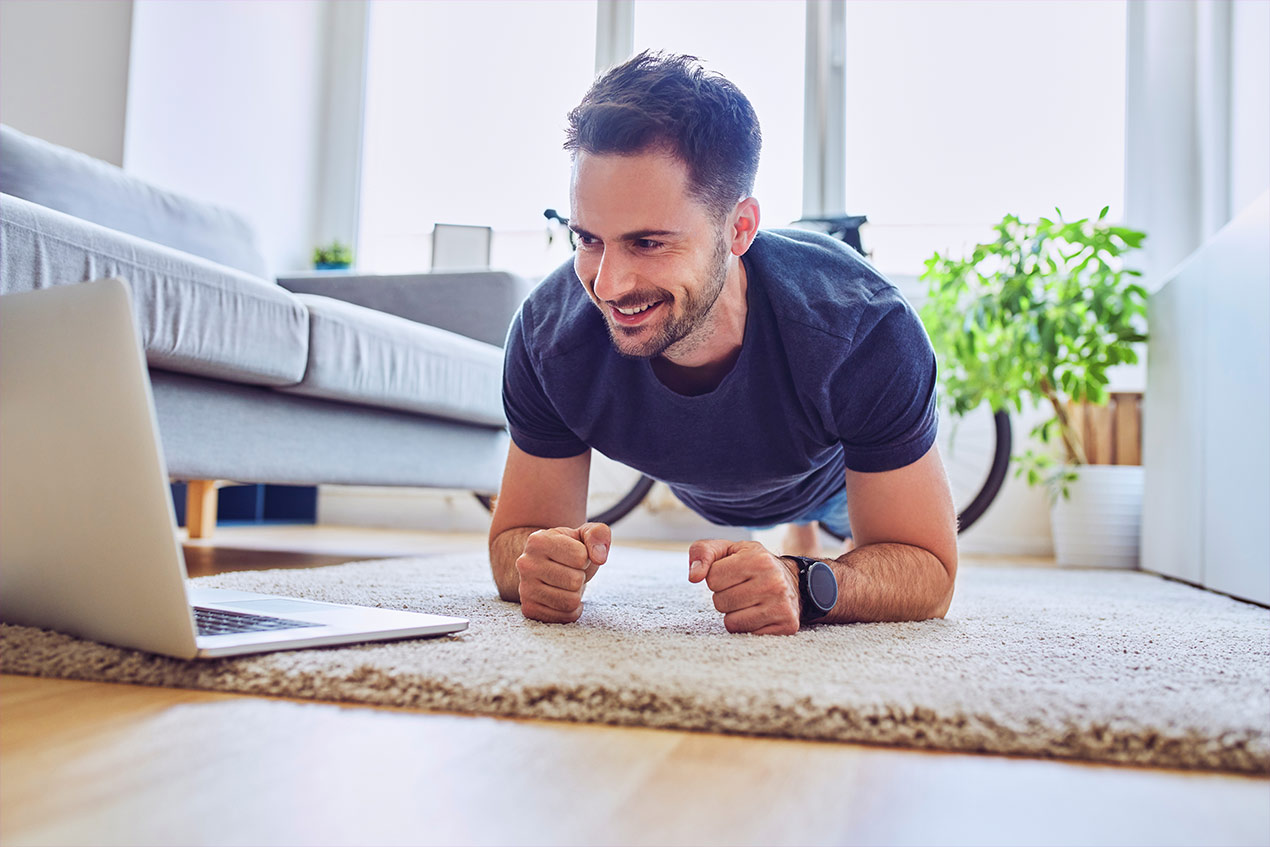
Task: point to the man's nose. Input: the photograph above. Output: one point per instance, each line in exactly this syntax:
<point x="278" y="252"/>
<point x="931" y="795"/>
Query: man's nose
<point x="615" y="277"/>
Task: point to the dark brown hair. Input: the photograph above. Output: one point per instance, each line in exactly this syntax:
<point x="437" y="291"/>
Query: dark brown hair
<point x="668" y="101"/>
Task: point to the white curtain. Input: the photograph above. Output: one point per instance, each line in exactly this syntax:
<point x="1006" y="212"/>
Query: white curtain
<point x="1194" y="95"/>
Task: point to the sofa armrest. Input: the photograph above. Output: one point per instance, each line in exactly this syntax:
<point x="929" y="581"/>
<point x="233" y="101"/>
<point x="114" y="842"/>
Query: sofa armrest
<point x="478" y="304"/>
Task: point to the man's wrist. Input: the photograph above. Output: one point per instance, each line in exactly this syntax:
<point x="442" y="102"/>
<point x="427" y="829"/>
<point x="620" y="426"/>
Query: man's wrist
<point x="791" y="565"/>
<point x="817" y="588"/>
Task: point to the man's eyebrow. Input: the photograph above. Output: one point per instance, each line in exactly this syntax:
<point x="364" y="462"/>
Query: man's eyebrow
<point x="631" y="236"/>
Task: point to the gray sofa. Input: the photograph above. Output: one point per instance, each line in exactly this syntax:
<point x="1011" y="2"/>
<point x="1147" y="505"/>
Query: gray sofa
<point x="323" y="378"/>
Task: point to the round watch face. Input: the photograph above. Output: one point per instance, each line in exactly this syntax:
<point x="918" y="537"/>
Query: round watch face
<point x="822" y="586"/>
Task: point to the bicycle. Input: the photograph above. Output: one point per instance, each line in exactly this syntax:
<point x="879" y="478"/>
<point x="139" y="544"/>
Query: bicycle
<point x="975" y="448"/>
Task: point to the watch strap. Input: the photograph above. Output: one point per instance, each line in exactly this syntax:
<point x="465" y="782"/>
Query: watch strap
<point x="811" y="610"/>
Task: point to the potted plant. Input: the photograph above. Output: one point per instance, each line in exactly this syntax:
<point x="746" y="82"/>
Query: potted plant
<point x="335" y="256"/>
<point x="1038" y="316"/>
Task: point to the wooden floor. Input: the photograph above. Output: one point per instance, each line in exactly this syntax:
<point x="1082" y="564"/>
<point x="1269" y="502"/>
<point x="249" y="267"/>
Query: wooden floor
<point x="92" y="763"/>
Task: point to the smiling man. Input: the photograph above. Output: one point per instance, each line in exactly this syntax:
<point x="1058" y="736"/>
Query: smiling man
<point x="767" y="377"/>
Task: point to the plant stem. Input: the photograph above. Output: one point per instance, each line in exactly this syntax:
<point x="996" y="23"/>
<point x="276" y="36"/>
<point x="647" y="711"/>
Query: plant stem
<point x="1071" y="440"/>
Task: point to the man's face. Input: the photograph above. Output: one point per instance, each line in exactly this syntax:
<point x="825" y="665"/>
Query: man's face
<point x="652" y="257"/>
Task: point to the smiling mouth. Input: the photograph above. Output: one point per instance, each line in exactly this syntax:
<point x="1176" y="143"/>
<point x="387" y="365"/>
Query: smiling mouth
<point x="634" y="316"/>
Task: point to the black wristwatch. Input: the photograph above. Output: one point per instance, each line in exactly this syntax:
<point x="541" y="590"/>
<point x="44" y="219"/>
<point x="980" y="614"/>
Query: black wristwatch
<point x="818" y="587"/>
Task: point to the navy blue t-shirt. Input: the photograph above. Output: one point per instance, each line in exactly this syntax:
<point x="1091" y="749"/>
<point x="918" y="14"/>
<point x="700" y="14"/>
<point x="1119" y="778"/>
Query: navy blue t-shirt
<point x="835" y="370"/>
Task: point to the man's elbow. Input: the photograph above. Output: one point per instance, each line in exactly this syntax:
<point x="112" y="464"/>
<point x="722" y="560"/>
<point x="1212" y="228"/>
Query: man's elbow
<point x="507" y="583"/>
<point x="949" y="564"/>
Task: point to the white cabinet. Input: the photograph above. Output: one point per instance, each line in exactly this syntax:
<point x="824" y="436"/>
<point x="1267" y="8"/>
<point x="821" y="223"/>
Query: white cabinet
<point x="1206" y="418"/>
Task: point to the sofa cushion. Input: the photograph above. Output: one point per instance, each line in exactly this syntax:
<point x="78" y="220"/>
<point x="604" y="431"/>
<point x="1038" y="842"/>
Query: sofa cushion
<point x="97" y="191"/>
<point x="362" y="356"/>
<point x="195" y="316"/>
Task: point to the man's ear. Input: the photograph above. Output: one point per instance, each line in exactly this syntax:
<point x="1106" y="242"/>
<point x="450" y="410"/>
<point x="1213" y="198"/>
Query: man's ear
<point x="744" y="227"/>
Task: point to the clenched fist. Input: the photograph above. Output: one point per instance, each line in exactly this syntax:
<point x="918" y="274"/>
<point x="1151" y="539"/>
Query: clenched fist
<point x="555" y="568"/>
<point x="756" y="590"/>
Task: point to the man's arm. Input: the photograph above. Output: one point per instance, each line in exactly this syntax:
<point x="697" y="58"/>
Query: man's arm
<point x="538" y="538"/>
<point x="904" y="563"/>
<point x="902" y="569"/>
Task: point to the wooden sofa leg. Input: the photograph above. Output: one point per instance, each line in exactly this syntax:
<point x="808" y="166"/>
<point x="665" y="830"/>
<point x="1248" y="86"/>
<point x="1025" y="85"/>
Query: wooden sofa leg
<point x="200" y="507"/>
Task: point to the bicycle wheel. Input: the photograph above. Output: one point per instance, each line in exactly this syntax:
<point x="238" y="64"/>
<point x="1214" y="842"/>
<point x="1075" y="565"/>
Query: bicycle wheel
<point x="976" y="453"/>
<point x="975" y="449"/>
<point x="613" y="492"/>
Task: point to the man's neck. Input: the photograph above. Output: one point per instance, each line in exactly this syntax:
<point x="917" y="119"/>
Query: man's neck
<point x="703" y="366"/>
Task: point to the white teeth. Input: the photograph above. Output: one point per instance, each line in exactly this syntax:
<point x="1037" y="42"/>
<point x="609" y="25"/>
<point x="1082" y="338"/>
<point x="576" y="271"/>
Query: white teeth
<point x="643" y="308"/>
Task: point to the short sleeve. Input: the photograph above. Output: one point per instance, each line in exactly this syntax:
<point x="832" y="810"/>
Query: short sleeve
<point x="534" y="424"/>
<point x="884" y="393"/>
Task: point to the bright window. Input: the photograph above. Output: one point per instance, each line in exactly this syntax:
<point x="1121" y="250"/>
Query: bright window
<point x="465" y="116"/>
<point x="958" y="113"/>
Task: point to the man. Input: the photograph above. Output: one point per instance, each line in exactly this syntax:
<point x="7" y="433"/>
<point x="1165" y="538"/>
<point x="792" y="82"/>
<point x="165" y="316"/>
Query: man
<point x="767" y="377"/>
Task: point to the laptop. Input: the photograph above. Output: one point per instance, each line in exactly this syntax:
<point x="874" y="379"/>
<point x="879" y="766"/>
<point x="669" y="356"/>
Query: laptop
<point x="88" y="538"/>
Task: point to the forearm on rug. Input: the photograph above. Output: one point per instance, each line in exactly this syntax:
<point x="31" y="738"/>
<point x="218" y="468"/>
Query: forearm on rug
<point x="891" y="582"/>
<point x="504" y="550"/>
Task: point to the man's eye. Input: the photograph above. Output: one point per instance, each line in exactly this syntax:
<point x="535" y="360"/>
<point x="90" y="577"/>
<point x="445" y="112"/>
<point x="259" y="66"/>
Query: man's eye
<point x="587" y="241"/>
<point x="647" y="244"/>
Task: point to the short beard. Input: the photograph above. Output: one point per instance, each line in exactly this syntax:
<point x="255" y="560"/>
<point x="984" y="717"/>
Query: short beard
<point x="689" y="330"/>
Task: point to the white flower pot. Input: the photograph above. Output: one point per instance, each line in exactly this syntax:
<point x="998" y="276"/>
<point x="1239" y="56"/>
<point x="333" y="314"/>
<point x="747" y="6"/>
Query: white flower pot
<point x="1098" y="526"/>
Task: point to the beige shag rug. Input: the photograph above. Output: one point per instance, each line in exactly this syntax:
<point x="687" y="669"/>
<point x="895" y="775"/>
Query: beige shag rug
<point x="1098" y="665"/>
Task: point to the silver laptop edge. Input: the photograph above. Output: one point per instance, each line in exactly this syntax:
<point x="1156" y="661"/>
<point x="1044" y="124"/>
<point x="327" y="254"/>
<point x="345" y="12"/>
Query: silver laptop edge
<point x="88" y="537"/>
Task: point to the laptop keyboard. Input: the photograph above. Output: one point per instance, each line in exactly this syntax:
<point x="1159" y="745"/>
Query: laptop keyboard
<point x="220" y="622"/>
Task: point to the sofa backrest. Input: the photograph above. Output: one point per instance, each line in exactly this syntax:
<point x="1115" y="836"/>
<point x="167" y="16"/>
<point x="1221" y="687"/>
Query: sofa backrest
<point x="88" y="188"/>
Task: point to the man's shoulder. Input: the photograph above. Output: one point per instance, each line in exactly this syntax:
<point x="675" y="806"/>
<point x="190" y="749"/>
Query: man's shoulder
<point x="818" y="282"/>
<point x="557" y="317"/>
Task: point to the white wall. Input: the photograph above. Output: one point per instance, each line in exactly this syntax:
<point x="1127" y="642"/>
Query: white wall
<point x="64" y="72"/>
<point x="225" y="104"/>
